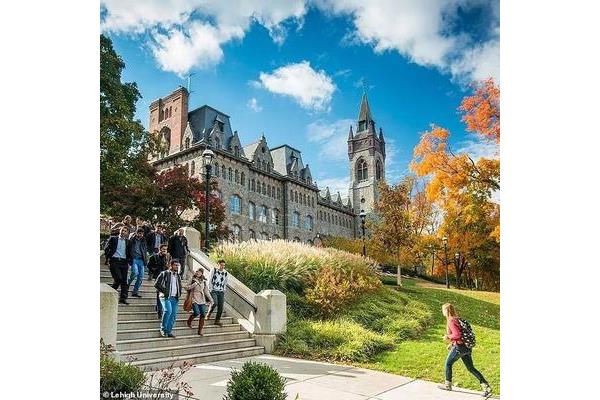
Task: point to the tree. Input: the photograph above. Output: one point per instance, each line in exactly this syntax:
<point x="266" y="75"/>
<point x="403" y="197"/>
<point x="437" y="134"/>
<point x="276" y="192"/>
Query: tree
<point x="481" y="111"/>
<point x="124" y="145"/>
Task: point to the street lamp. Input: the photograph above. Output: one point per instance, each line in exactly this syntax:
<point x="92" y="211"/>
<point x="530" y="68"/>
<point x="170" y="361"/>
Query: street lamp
<point x="362" y="216"/>
<point x="445" y="241"/>
<point x="207" y="157"/>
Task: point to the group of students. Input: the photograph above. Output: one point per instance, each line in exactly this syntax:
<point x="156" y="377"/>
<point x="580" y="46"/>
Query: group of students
<point x="130" y="250"/>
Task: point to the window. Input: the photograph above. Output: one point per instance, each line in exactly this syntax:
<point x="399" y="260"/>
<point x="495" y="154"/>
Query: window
<point x="217" y="170"/>
<point x="242" y="179"/>
<point x="193" y="169"/>
<point x="223" y="172"/>
<point x="251" y="211"/>
<point x="296" y="219"/>
<point x="362" y="125"/>
<point x="230" y="174"/>
<point x="361" y="170"/>
<point x="262" y="214"/>
<point x="308" y="223"/>
<point x="291" y="195"/>
<point x="237" y="176"/>
<point x="269" y="190"/>
<point x="378" y="170"/>
<point x="220" y="125"/>
<point x="251" y="234"/>
<point x="170" y="111"/>
<point x="237" y="233"/>
<point x="264" y="188"/>
<point x="278" y="193"/>
<point x="253" y="185"/>
<point x="235" y="204"/>
<point x="296" y="197"/>
<point x="275" y="216"/>
<point x="187" y="143"/>
<point x="275" y="237"/>
<point x="236" y="151"/>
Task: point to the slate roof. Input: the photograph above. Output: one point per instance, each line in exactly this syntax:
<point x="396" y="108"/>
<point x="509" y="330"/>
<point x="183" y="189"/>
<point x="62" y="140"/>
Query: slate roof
<point x="202" y="120"/>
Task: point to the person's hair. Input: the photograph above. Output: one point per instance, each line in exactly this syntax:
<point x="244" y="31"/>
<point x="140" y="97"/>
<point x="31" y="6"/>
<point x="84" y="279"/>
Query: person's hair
<point x="221" y="261"/>
<point x="140" y="230"/>
<point x="162" y="245"/>
<point x="127" y="216"/>
<point x="175" y="261"/>
<point x="124" y="227"/>
<point x="451" y="311"/>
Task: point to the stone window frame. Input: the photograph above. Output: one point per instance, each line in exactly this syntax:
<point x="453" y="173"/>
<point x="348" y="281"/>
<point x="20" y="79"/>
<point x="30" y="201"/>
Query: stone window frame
<point x="235" y="207"/>
<point x="193" y="168"/>
<point x="242" y="178"/>
<point x="230" y="174"/>
<point x="251" y="211"/>
<point x="362" y="170"/>
<point x="309" y="223"/>
<point x="378" y="170"/>
<point x="236" y="176"/>
<point x="263" y="213"/>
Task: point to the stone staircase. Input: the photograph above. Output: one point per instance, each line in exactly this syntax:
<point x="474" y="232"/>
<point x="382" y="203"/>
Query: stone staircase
<point x="140" y="343"/>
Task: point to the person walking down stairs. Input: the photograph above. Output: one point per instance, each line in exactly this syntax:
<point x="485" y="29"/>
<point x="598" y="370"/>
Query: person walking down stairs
<point x="201" y="299"/>
<point x="168" y="284"/>
<point x="139" y="259"/>
<point x="157" y="264"/>
<point x="117" y="254"/>
<point x="217" y="284"/>
<point x="178" y="248"/>
<point x="462" y="341"/>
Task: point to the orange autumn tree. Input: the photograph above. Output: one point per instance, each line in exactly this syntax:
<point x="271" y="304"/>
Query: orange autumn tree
<point x="481" y="111"/>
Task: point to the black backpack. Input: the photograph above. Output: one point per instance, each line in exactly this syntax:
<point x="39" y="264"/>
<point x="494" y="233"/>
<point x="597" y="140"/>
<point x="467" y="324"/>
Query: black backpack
<point x="466" y="333"/>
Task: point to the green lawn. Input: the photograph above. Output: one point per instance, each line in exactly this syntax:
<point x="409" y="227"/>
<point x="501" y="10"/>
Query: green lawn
<point x="424" y="356"/>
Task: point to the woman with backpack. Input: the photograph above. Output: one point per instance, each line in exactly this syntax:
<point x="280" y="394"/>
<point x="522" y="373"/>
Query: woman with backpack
<point x="201" y="299"/>
<point x="462" y="341"/>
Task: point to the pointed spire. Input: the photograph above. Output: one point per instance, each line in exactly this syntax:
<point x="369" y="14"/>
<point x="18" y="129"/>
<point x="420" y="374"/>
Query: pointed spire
<point x="365" y="111"/>
<point x="350" y="134"/>
<point x="381" y="135"/>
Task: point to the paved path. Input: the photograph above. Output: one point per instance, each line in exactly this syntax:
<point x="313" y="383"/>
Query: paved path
<point x="313" y="380"/>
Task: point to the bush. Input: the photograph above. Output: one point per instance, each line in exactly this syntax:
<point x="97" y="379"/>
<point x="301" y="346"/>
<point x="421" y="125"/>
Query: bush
<point x="255" y="381"/>
<point x="117" y="376"/>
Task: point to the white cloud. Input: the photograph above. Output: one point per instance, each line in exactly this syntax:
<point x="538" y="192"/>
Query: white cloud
<point x="420" y="30"/>
<point x="309" y="88"/>
<point x="253" y="105"/>
<point x="188" y="34"/>
<point x="331" y="137"/>
<point x="341" y="184"/>
<point x="477" y="149"/>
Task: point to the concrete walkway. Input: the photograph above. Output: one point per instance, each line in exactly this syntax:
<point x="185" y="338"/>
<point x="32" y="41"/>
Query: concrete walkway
<point x="312" y="380"/>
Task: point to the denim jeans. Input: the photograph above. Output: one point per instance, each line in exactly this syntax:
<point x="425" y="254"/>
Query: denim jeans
<point x="137" y="273"/>
<point x="463" y="352"/>
<point x="169" y="307"/>
<point x="219" y="299"/>
<point x="199" y="309"/>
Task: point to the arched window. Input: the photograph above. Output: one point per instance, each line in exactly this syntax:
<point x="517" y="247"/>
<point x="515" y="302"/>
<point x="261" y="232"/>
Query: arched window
<point x="378" y="170"/>
<point x="296" y="219"/>
<point x="161" y="115"/>
<point x="362" y="173"/>
<point x="278" y="193"/>
<point x="262" y="214"/>
<point x="193" y="169"/>
<point x="264" y="188"/>
<point x="291" y="195"/>
<point x="275" y="216"/>
<point x="275" y="237"/>
<point x="269" y="190"/>
<point x="217" y="170"/>
<point x="296" y="197"/>
<point x="308" y="223"/>
<point x="242" y="179"/>
<point x="237" y="233"/>
<point x="170" y="111"/>
<point x="235" y="204"/>
<point x="253" y="185"/>
<point x="237" y="176"/>
<point x="224" y="172"/>
<point x="230" y="174"/>
<point x="251" y="211"/>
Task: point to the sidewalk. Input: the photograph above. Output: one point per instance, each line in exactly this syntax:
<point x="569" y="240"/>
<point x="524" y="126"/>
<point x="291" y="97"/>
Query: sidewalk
<point x="313" y="380"/>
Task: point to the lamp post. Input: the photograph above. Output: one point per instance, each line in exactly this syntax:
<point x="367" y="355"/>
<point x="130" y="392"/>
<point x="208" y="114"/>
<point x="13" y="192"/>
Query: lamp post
<point x="207" y="157"/>
<point x="432" y="258"/>
<point x="362" y="216"/>
<point x="456" y="265"/>
<point x="445" y="241"/>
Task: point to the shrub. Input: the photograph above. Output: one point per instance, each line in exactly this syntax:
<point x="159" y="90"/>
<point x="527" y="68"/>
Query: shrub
<point x="117" y="376"/>
<point x="255" y="381"/>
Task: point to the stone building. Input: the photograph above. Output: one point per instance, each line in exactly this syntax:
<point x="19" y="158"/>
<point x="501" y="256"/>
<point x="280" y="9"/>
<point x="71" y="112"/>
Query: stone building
<point x="269" y="192"/>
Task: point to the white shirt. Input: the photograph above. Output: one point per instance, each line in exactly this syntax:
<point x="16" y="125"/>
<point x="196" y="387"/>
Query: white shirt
<point x="173" y="291"/>
<point x="120" y="252"/>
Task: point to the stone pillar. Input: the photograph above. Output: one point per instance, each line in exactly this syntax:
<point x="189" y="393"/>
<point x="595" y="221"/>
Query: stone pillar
<point x="270" y="319"/>
<point x="108" y="314"/>
<point x="193" y="237"/>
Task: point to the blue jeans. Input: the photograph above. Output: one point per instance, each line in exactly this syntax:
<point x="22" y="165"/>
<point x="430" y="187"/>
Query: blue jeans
<point x="169" y="307"/>
<point x="463" y="352"/>
<point x="137" y="273"/>
<point x="199" y="309"/>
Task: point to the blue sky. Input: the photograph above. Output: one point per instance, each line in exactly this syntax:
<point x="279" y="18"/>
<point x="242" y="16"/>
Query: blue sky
<point x="295" y="69"/>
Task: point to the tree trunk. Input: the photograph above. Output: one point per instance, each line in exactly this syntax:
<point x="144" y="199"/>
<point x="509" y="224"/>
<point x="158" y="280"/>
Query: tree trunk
<point x="399" y="275"/>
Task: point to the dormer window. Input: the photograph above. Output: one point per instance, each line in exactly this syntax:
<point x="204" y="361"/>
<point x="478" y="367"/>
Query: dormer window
<point x="220" y="125"/>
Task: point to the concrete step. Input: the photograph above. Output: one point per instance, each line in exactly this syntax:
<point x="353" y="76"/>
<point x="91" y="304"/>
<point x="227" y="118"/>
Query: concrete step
<point x="160" y="363"/>
<point x="151" y="315"/>
<point x="176" y="351"/>
<point x="155" y="332"/>
<point x="193" y="338"/>
<point x="152" y="323"/>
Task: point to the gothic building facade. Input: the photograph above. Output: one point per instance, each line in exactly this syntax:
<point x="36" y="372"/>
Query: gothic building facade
<point x="269" y="192"/>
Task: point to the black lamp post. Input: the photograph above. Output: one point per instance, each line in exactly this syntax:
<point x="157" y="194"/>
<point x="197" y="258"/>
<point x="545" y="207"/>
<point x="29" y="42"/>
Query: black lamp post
<point x="432" y="258"/>
<point x="362" y="216"/>
<point x="445" y="241"/>
<point x="207" y="157"/>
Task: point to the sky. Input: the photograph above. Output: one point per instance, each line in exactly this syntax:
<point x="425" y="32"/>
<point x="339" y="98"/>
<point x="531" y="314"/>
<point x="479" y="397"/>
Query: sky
<point x="295" y="70"/>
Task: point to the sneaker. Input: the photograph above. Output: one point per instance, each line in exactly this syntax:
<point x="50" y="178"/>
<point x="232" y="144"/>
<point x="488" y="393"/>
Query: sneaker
<point x="171" y="335"/>
<point x="447" y="386"/>
<point x="487" y="390"/>
<point x="123" y="302"/>
<point x="162" y="333"/>
<point x="136" y="295"/>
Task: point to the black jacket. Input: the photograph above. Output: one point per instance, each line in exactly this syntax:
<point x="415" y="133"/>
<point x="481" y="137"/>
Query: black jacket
<point x="151" y="237"/>
<point x="178" y="247"/>
<point x="163" y="284"/>
<point x="157" y="264"/>
<point x="111" y="246"/>
<point x="143" y="249"/>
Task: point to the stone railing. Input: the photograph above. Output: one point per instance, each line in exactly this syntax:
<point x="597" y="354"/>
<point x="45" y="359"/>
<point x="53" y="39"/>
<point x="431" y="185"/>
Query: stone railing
<point x="264" y="314"/>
